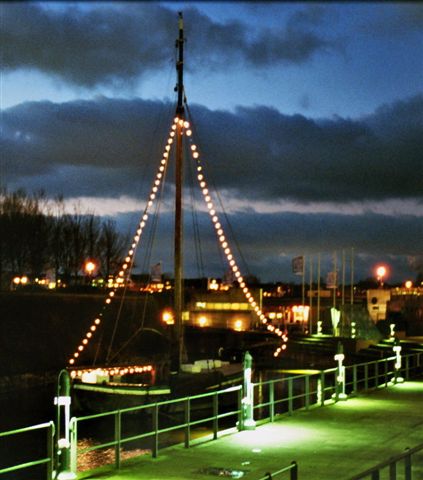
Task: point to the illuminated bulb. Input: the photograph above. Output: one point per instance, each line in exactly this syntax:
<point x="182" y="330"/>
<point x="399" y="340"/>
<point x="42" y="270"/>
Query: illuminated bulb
<point x="181" y="123"/>
<point x="218" y="227"/>
<point x="207" y="197"/>
<point x="131" y="252"/>
<point x="167" y="148"/>
<point x="172" y="134"/>
<point x="176" y="119"/>
<point x="224" y="244"/>
<point x="193" y="147"/>
<point x="93" y="328"/>
<point x="97" y="321"/>
<point x="142" y="224"/>
<point x="200" y="177"/>
<point x="154" y="189"/>
<point x="128" y="259"/>
<point x="121" y="273"/>
<point x="245" y="289"/>
<point x="71" y="361"/>
<point x="214" y="219"/>
<point x="227" y="251"/>
<point x="157" y="182"/>
<point x="89" y="335"/>
<point x="138" y="232"/>
<point x="108" y="301"/>
<point x="80" y="348"/>
<point x="203" y="184"/>
<point x="188" y="133"/>
<point x="165" y="155"/>
<point x="145" y="217"/>
<point x="173" y="127"/>
<point x="212" y="212"/>
<point x="76" y="354"/>
<point x="170" y="141"/>
<point x="150" y="202"/>
<point x="186" y="124"/>
<point x="283" y="347"/>
<point x="136" y="238"/>
<point x="195" y="155"/>
<point x="124" y="266"/>
<point x="133" y="245"/>
<point x="206" y="192"/>
<point x="210" y="206"/>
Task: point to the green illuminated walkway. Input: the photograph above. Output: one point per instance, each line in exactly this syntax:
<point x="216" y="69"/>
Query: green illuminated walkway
<point x="329" y="443"/>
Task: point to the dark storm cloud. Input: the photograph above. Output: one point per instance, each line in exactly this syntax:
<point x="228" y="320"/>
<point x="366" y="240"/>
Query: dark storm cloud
<point x="120" y="43"/>
<point x="254" y="153"/>
<point x="268" y="242"/>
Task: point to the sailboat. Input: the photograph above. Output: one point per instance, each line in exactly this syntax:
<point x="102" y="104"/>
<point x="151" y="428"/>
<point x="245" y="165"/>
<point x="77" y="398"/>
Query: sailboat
<point x="149" y="380"/>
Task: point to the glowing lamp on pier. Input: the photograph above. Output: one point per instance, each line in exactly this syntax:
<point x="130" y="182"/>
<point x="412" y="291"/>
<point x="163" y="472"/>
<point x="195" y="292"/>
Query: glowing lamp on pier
<point x="408" y="284"/>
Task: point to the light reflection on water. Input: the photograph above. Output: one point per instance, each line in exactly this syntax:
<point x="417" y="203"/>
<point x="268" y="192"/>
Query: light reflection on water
<point x="88" y="460"/>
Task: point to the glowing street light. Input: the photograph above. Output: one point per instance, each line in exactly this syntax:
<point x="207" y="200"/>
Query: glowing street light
<point x="381" y="272"/>
<point x="90" y="266"/>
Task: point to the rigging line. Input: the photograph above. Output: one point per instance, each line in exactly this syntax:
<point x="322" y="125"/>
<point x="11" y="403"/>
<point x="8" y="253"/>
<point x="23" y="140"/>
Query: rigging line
<point x="126" y="283"/>
<point x="147" y="259"/>
<point x="216" y="191"/>
<point x="195" y="223"/>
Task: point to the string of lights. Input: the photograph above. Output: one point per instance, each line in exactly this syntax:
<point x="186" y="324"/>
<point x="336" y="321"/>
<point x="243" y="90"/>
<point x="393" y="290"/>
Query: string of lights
<point x="224" y="243"/>
<point x="125" y="268"/>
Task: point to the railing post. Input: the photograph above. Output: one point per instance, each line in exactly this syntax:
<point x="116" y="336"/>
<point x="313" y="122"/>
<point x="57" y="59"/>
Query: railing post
<point x="407" y="367"/>
<point x="322" y="388"/>
<point x="294" y="471"/>
<point x="355" y="385"/>
<point x="272" y="401"/>
<point x="215" y="415"/>
<point x="307" y="391"/>
<point x="155" y="449"/>
<point x="73" y="426"/>
<point x="290" y="395"/>
<point x="240" y="421"/>
<point x="377" y="374"/>
<point x="393" y="471"/>
<point x="407" y="466"/>
<point x="366" y="376"/>
<point x="50" y="451"/>
<point x="187" y="418"/>
<point x="117" y="438"/>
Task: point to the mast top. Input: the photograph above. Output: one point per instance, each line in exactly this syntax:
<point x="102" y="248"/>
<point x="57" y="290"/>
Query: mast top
<point x="180" y="66"/>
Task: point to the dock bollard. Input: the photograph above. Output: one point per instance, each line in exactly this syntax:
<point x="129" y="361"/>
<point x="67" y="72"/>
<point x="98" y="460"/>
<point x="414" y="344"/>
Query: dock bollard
<point x="340" y="375"/>
<point x="248" y="422"/>
<point x="63" y="401"/>
<point x="397" y="367"/>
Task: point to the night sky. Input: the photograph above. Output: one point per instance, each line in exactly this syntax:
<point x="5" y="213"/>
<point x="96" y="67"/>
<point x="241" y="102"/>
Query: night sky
<point x="309" y="117"/>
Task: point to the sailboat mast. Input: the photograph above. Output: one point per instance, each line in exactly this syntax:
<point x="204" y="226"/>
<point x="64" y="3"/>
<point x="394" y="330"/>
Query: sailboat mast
<point x="178" y="260"/>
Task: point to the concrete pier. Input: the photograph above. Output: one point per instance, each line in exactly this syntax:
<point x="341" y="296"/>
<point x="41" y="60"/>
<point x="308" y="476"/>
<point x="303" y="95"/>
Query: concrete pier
<point x="333" y="442"/>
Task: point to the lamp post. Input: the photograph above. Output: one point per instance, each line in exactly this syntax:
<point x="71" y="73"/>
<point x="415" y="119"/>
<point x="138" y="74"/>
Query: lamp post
<point x="380" y="274"/>
<point x="340" y="374"/>
<point x="89" y="268"/>
<point x="248" y="422"/>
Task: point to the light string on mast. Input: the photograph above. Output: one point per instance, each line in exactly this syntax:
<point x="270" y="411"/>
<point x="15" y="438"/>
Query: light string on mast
<point x="126" y="266"/>
<point x="225" y="246"/>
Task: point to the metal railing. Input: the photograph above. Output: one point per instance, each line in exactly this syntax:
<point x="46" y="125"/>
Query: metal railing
<point x="191" y="411"/>
<point x="220" y="410"/>
<point x="48" y="460"/>
<point x="391" y="464"/>
<point x="292" y="469"/>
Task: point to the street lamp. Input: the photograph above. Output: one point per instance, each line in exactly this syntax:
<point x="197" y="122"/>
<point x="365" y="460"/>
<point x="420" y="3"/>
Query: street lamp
<point x="381" y="272"/>
<point x="89" y="268"/>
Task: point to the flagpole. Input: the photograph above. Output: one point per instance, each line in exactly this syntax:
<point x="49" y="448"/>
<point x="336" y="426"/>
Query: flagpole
<point x="310" y="290"/>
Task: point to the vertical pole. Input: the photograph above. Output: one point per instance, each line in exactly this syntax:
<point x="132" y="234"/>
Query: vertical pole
<point x="178" y="291"/>
<point x="248" y="394"/>
<point x="63" y="401"/>
<point x="303" y="282"/>
<point x="187" y="408"/>
<point x="155" y="448"/>
<point x="310" y="316"/>
<point x="117" y="438"/>
<point x="319" y="323"/>
<point x="215" y="415"/>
